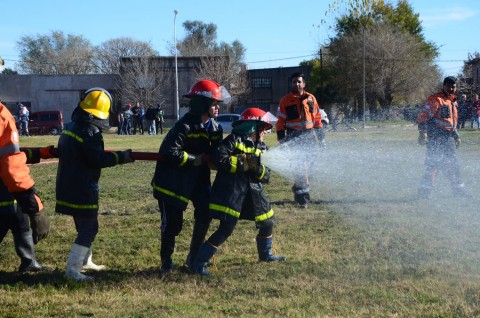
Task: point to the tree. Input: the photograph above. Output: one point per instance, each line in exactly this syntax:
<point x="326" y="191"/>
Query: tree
<point x="397" y="68"/>
<point x="55" y="54"/>
<point x="370" y="13"/>
<point x="398" y="64"/>
<point x="9" y="71"/>
<point x="201" y="39"/>
<point x="143" y="79"/>
<point x="108" y="54"/>
<point x="221" y="62"/>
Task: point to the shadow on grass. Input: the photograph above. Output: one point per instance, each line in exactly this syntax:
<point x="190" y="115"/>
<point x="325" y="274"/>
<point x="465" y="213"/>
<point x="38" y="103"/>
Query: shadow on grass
<point x="56" y="277"/>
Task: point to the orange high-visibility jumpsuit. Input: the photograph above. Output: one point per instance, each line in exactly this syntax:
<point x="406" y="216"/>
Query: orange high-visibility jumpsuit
<point x="299" y="117"/>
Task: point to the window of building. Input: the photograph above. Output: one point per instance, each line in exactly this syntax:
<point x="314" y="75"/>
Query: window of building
<point x="262" y="82"/>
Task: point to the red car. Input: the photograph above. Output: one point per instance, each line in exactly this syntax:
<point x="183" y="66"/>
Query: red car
<point x="45" y="122"/>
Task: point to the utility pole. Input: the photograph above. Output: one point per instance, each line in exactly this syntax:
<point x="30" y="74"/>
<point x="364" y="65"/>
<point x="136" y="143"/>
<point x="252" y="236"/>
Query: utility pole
<point x="176" y="64"/>
<point x="363" y="77"/>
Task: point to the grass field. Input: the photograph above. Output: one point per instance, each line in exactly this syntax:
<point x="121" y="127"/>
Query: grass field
<point x="366" y="247"/>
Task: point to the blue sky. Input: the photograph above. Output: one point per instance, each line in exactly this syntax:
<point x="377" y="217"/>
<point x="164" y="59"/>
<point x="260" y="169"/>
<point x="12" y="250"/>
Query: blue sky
<point x="275" y="33"/>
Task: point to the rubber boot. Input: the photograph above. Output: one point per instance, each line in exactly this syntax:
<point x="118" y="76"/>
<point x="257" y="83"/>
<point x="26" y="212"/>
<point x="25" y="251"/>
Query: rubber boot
<point x="88" y="264"/>
<point x="264" y="246"/>
<point x="204" y="255"/>
<point x="75" y="263"/>
<point x="167" y="246"/>
<point x="200" y="230"/>
<point x="24" y="247"/>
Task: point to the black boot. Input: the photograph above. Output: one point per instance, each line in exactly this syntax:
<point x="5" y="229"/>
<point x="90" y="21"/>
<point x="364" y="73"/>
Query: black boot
<point x="198" y="266"/>
<point x="264" y="246"/>
<point x="25" y="250"/>
<point x="200" y="230"/>
<point x="167" y="246"/>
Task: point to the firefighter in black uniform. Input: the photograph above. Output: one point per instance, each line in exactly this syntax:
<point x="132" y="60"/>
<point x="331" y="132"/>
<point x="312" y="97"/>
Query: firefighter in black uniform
<point x="81" y="158"/>
<point x="237" y="192"/>
<point x="184" y="175"/>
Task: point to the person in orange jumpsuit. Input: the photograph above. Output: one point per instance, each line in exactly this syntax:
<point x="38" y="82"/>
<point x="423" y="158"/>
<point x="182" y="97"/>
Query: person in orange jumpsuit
<point x="299" y="118"/>
<point x="17" y="188"/>
<point x="437" y="129"/>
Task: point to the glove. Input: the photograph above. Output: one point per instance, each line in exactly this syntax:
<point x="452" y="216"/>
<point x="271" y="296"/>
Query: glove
<point x="40" y="226"/>
<point x="243" y="158"/>
<point x="48" y="152"/>
<point x="127" y="156"/>
<point x="422" y="138"/>
<point x="198" y="161"/>
<point x="253" y="162"/>
<point x="29" y="201"/>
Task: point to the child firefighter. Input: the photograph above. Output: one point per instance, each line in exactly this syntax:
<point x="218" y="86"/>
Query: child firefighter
<point x="81" y="158"/>
<point x="237" y="192"/>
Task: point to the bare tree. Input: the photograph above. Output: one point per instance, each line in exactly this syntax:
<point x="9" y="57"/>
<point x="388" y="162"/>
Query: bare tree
<point x="55" y="54"/>
<point x="226" y="72"/>
<point x="108" y="54"/>
<point x="143" y="79"/>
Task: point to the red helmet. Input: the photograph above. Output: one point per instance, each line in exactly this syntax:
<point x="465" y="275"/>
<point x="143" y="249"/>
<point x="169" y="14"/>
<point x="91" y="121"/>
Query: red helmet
<point x="254" y="114"/>
<point x="209" y="89"/>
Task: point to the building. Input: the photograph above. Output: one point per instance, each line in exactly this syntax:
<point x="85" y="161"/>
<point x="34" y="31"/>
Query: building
<point x="151" y="84"/>
<point x="51" y="92"/>
<point x="475" y="64"/>
<point x="269" y="85"/>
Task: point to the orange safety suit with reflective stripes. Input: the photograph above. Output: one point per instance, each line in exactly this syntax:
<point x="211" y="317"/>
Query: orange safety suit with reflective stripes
<point x="14" y="171"/>
<point x="442" y="109"/>
<point x="439" y="120"/>
<point x="298" y="112"/>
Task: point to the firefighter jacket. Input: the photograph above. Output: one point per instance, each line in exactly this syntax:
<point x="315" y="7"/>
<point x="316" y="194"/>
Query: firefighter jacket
<point x="297" y="113"/>
<point x="81" y="157"/>
<point x="176" y="178"/>
<point x="14" y="171"/>
<point x="238" y="194"/>
<point x="439" y="115"/>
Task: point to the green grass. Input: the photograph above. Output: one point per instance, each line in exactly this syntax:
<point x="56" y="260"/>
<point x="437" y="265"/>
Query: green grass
<point x="364" y="248"/>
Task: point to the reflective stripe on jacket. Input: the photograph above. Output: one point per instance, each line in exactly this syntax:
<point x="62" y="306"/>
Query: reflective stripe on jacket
<point x="81" y="158"/>
<point x="238" y="194"/>
<point x="176" y="178"/>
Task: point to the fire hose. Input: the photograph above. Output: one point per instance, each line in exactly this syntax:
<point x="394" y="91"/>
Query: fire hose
<point x="136" y="155"/>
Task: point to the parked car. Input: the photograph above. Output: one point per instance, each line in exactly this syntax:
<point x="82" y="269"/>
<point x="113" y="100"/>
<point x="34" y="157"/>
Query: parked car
<point x="226" y="120"/>
<point x="45" y="122"/>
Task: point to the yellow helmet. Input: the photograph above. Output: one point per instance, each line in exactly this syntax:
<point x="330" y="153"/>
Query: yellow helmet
<point x="96" y="101"/>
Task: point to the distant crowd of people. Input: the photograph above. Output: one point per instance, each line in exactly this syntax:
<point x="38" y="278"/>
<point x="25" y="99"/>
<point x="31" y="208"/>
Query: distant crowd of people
<point x="468" y="111"/>
<point x="130" y="119"/>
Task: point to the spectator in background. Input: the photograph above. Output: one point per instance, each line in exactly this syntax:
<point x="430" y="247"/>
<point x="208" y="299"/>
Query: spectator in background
<point x="127" y="117"/>
<point x="159" y="119"/>
<point x="463" y="109"/>
<point x="137" y="118"/>
<point x="23" y="117"/>
<point x="150" y="120"/>
<point x="475" y="111"/>
<point x="121" y="121"/>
